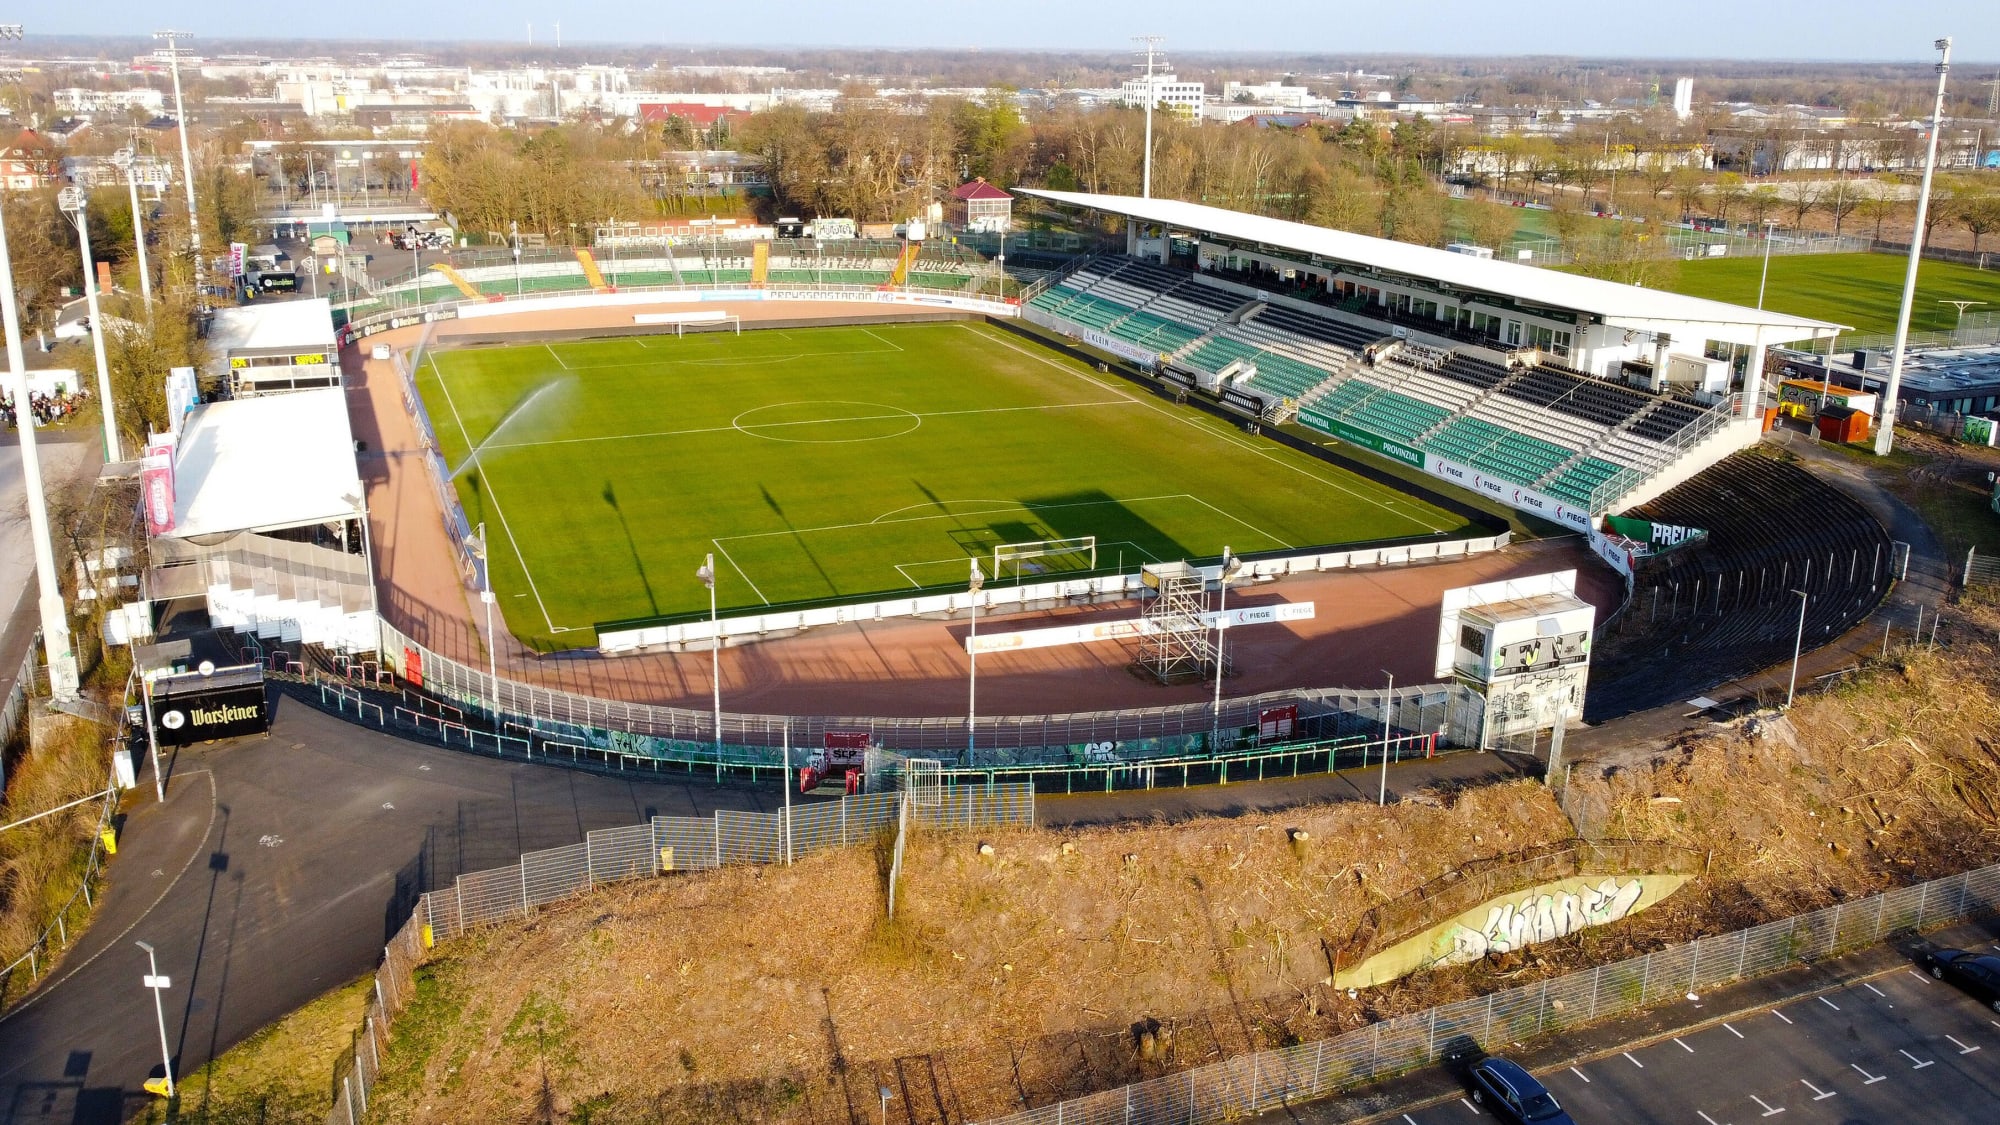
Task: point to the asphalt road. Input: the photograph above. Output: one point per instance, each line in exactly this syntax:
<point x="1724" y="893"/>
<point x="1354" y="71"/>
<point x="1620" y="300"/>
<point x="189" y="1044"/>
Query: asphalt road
<point x="1887" y="1050"/>
<point x="275" y="870"/>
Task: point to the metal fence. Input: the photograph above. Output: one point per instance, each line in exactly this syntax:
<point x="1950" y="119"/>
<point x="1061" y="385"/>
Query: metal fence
<point x="612" y="855"/>
<point x="48" y="945"/>
<point x="1249" y="1084"/>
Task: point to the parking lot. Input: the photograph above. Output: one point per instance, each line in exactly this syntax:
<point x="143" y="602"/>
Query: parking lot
<point x="1892" y="1048"/>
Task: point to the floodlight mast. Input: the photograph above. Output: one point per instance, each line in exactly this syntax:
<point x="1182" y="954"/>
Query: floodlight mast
<point x="1885" y="436"/>
<point x="1152" y="43"/>
<point x="187" y="155"/>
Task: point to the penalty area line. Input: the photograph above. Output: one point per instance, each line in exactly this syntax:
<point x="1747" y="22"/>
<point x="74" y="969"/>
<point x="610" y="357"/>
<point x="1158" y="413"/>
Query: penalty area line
<point x="740" y="571"/>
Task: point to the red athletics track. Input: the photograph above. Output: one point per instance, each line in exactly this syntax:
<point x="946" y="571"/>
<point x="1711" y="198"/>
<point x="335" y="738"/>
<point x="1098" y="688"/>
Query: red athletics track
<point x="1369" y="621"/>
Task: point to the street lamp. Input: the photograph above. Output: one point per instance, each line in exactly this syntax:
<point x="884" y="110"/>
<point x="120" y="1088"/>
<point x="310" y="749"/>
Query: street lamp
<point x="1798" y="645"/>
<point x="885" y="1093"/>
<point x="514" y="233"/>
<point x="1766" y="275"/>
<point x="1388" y="704"/>
<point x="1230" y="565"/>
<point x="707" y="576"/>
<point x="74" y="203"/>
<point x="977" y="580"/>
<point x="492" y="638"/>
<point x="164" y="1087"/>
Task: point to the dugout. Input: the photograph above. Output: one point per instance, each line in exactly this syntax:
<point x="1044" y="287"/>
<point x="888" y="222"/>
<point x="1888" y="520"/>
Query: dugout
<point x="272" y="348"/>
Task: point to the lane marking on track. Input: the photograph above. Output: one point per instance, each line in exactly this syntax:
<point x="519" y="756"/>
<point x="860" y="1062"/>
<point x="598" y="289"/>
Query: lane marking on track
<point x="1919" y="1063"/>
<point x="1579" y="1074"/>
<point x="1872" y="1078"/>
<point x="1819" y="1095"/>
<point x="1633" y="1061"/>
<point x="1781" y="1015"/>
<point x="1684" y="1046"/>
<point x="1733" y="1031"/>
<point x="1768" y="1111"/>
<point x="1962" y="1048"/>
<point x="1829" y="1003"/>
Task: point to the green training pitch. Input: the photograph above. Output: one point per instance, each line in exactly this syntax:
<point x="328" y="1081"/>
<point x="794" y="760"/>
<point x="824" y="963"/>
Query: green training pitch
<point x="846" y="462"/>
<point x="1859" y="290"/>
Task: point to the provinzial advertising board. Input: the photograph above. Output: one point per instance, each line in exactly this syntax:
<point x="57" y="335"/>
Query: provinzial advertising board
<point x="192" y="707"/>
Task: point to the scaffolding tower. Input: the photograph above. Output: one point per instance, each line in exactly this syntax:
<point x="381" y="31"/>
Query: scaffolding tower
<point x="1176" y="644"/>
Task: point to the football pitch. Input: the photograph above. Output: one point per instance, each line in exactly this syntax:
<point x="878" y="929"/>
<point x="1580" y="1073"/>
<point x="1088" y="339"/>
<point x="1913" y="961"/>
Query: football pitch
<point x="1862" y="291"/>
<point x="844" y="462"/>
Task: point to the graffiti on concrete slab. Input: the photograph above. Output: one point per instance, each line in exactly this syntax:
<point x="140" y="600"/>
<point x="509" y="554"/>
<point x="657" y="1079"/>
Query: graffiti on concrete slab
<point x="1541" y="916"/>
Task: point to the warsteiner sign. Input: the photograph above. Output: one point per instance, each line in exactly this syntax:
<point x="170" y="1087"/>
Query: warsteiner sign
<point x="195" y="708"/>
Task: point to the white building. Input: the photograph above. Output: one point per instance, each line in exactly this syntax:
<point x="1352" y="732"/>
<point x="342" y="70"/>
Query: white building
<point x="79" y="100"/>
<point x="1269" y="94"/>
<point x="1168" y="91"/>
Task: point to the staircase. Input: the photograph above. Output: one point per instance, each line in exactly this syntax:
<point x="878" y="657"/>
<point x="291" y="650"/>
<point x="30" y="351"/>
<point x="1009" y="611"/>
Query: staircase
<point x="901" y="275"/>
<point x="451" y="274"/>
<point x="590" y="270"/>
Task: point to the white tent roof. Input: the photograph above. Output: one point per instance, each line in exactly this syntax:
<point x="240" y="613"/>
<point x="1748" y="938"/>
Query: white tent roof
<point x="303" y="326"/>
<point x="275" y="461"/>
<point x="1625" y="306"/>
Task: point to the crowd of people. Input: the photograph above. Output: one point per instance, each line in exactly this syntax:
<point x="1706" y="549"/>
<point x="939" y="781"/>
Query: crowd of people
<point x="45" y="408"/>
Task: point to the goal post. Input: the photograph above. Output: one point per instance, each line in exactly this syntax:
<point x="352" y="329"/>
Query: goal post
<point x="1044" y="556"/>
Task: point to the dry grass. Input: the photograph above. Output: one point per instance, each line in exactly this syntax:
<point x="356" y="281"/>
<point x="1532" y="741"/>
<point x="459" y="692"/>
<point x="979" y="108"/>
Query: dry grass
<point x="41" y="864"/>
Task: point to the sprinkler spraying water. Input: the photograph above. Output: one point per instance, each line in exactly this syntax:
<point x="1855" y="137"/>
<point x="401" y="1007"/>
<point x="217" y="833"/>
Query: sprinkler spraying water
<point x="528" y="400"/>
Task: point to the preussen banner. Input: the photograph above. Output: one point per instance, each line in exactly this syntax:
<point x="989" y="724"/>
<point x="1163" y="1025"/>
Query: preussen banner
<point x="1657" y="538"/>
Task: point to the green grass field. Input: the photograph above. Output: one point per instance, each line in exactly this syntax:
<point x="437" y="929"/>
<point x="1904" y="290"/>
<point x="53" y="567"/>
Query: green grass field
<point x="845" y="462"/>
<point x="1860" y="290"/>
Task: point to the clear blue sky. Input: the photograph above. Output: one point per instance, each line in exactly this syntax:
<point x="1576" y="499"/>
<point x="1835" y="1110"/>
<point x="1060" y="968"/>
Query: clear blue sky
<point x="1816" y="29"/>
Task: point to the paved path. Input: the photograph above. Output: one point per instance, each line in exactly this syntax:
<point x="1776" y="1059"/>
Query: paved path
<point x="275" y="870"/>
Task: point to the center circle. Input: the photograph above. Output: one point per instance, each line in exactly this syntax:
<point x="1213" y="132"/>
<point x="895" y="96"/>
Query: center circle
<point x="826" y="422"/>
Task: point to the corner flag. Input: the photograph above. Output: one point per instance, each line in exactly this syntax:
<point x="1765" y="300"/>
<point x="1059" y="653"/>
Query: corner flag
<point x="707" y="572"/>
<point x="978" y="576"/>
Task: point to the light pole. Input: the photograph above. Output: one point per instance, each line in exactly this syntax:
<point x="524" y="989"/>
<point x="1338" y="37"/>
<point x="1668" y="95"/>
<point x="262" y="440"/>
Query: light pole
<point x="885" y="1093"/>
<point x="1798" y="645"/>
<point x="1229" y="567"/>
<point x="977" y="580"/>
<point x="1766" y="274"/>
<point x="164" y="1087"/>
<point x="55" y="619"/>
<point x="138" y="226"/>
<point x="1885" y="435"/>
<point x="1152" y="43"/>
<point x="492" y="639"/>
<point x="514" y="233"/>
<point x="1388" y="706"/>
<point x="707" y="576"/>
<point x="74" y="203"/>
<point x="187" y="155"/>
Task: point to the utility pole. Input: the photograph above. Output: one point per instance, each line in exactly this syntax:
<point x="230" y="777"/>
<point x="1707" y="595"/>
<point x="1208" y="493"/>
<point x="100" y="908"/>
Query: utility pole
<point x="1885" y="436"/>
<point x="1152" y="43"/>
<point x="55" y="618"/>
<point x="187" y="155"/>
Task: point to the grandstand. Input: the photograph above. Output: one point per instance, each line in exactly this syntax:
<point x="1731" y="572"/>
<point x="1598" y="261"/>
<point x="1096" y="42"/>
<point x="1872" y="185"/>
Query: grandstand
<point x="1560" y="395"/>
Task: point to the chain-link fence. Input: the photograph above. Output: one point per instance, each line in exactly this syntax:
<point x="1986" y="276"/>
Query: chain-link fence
<point x="21" y="976"/>
<point x="1249" y="1084"/>
<point x="661" y="845"/>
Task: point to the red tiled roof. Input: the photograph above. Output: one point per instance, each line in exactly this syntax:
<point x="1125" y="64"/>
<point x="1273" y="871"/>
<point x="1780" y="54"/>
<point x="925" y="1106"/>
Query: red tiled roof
<point x="700" y="116"/>
<point x="978" y="189"/>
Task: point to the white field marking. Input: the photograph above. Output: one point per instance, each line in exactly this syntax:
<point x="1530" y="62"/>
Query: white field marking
<point x="890" y="344"/>
<point x="1226" y="437"/>
<point x="803" y="422"/>
<point x="1819" y="1095"/>
<point x="1916" y="1063"/>
<point x="1467" y="1104"/>
<point x="491" y="498"/>
<point x="1768" y="1111"/>
<point x="734" y="361"/>
<point x="1874" y="990"/>
<point x="1411" y="1120"/>
<point x="906" y="574"/>
<point x="1633" y="1061"/>
<point x="557" y="358"/>
<point x="1918" y="975"/>
<point x="1707" y="1118"/>
<point x="1872" y="1078"/>
<point x="1251" y="527"/>
<point x="1962" y="1048"/>
<point x="1579" y="1074"/>
<point x="945" y="516"/>
<point x="1781" y="1015"/>
<point x="999" y="506"/>
<point x="1684" y="1046"/>
<point x="1829" y="1003"/>
<point x="739" y="571"/>
<point x="1733" y="1031"/>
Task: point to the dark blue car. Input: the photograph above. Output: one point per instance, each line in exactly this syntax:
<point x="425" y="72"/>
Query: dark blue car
<point x="1514" y="1095"/>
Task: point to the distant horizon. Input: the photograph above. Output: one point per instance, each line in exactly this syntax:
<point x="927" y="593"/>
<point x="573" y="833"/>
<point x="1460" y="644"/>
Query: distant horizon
<point x="1830" y="31"/>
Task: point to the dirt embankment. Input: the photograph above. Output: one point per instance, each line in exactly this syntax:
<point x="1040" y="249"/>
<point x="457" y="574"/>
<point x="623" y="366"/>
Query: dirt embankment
<point x="1070" y="961"/>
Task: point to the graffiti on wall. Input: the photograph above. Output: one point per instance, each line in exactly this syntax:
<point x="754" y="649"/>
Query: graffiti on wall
<point x="1539" y="916"/>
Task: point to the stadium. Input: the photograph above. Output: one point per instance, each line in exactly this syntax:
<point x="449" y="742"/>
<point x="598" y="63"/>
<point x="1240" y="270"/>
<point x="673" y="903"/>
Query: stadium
<point x="698" y="509"/>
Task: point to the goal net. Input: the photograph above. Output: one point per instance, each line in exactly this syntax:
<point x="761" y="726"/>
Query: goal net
<point x="1017" y="561"/>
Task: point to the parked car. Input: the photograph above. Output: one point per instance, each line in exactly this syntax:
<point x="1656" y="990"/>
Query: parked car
<point x="1514" y="1095"/>
<point x="1976" y="973"/>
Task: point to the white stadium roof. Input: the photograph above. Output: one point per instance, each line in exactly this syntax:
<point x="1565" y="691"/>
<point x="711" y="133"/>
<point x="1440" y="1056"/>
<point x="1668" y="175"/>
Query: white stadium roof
<point x="254" y="464"/>
<point x="302" y="326"/>
<point x="1624" y="306"/>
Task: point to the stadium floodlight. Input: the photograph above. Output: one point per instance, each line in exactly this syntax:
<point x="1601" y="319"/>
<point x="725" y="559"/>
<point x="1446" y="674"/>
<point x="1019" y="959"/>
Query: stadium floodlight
<point x="707" y="576"/>
<point x="1152" y="43"/>
<point x="138" y="223"/>
<point x="173" y="39"/>
<point x="1885" y="436"/>
<point x="74" y="202"/>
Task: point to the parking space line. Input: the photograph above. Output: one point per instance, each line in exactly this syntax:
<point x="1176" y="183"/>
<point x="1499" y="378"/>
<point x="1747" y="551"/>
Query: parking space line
<point x="1707" y="1118"/>
<point x="1819" y="1095"/>
<point x="1579" y="1074"/>
<point x="1733" y="1031"/>
<point x="1768" y="1111"/>
<point x="1411" y="1120"/>
<point x="1829" y="1003"/>
<point x="1684" y="1046"/>
<point x="1781" y="1015"/>
<point x="1920" y="1063"/>
<point x="1633" y="1061"/>
<point x="1919" y="976"/>
<point x="1962" y="1048"/>
<point x="1467" y="1103"/>
<point x="1872" y="1078"/>
<point x="1874" y="990"/>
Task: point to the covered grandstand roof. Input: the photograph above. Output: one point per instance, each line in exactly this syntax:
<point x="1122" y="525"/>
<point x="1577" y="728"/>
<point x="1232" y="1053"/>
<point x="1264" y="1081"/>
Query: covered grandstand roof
<point x="1626" y="306"/>
<point x="303" y="325"/>
<point x="254" y="464"/>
